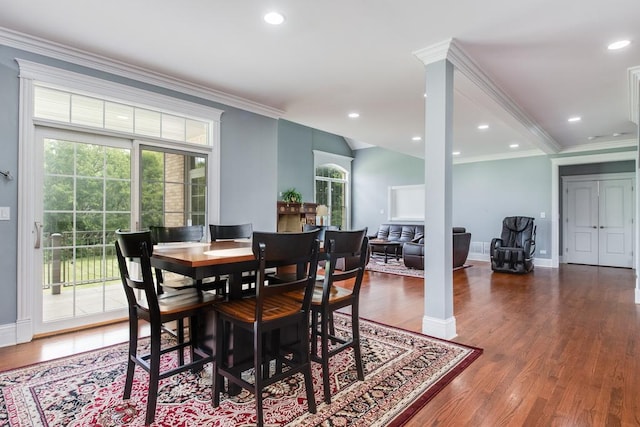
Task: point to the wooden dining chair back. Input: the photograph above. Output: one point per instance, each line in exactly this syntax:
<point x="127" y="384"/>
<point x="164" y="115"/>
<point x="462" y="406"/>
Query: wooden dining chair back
<point x="338" y="245"/>
<point x="144" y="304"/>
<point x="182" y="234"/>
<point x="268" y="316"/>
<point x="186" y="233"/>
<point x="230" y="231"/>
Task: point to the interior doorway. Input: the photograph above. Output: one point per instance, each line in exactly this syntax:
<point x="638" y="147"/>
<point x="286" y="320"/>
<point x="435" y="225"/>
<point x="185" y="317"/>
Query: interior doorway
<point x="598" y="219"/>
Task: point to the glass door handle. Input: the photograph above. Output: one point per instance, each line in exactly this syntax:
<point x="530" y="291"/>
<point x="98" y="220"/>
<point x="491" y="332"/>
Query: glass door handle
<point x="37" y="227"/>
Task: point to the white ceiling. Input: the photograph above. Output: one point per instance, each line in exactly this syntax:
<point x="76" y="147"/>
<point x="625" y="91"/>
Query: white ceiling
<point x="331" y="57"/>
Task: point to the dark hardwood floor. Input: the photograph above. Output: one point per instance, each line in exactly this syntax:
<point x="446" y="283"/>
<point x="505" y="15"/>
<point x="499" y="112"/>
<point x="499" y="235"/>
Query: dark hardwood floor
<point x="561" y="346"/>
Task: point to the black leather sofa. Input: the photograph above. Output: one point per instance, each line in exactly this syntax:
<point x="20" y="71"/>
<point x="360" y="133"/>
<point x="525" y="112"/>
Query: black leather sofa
<point x="401" y="233"/>
<point x="413" y="252"/>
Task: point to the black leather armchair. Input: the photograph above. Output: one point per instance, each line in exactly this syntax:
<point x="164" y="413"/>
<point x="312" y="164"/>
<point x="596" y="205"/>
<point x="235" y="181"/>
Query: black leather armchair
<point x="513" y="251"/>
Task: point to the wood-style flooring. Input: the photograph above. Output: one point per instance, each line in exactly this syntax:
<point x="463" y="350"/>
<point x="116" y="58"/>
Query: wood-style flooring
<point x="561" y="346"/>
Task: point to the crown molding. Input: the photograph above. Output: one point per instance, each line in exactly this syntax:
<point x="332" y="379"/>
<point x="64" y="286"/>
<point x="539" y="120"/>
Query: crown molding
<point x="604" y="145"/>
<point x="633" y="79"/>
<point x="101" y="63"/>
<point x="501" y="156"/>
<point x="434" y="53"/>
<point x="451" y="50"/>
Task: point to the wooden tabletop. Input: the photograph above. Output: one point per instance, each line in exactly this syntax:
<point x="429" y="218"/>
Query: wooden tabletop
<point x="205" y="254"/>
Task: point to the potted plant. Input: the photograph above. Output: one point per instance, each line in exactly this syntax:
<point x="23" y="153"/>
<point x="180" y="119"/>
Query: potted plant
<point x="292" y="196"/>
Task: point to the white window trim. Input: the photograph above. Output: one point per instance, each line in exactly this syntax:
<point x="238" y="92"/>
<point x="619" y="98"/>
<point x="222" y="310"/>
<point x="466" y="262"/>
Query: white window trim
<point x="30" y="73"/>
<point x="321" y="158"/>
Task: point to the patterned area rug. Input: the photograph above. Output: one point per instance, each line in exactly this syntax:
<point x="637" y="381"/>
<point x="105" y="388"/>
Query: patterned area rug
<point x="397" y="267"/>
<point x="404" y="370"/>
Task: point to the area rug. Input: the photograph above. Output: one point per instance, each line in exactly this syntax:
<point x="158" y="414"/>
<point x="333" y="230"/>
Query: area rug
<point x="403" y="371"/>
<point x="397" y="267"/>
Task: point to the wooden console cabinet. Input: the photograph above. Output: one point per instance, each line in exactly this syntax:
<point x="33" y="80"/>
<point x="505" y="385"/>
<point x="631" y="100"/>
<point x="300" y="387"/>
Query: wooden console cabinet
<point x="292" y="216"/>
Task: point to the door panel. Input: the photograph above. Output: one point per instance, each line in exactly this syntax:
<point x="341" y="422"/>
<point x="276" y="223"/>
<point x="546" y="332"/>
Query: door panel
<point x="581" y="222"/>
<point x="616" y="223"/>
<point x="86" y="196"/>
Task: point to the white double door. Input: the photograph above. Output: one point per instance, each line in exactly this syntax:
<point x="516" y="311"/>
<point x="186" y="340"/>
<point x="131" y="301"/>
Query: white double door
<point x="598" y="221"/>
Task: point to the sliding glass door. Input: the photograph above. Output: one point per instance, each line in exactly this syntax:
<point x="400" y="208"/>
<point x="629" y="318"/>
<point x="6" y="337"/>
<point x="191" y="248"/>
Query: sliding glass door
<point x="173" y="188"/>
<point x="91" y="187"/>
<point x="86" y="196"/>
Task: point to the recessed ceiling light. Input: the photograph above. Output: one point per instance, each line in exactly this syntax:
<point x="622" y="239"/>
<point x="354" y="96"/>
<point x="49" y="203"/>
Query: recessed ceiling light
<point x="617" y="134"/>
<point x="416" y="138"/>
<point x="456" y="153"/>
<point x="483" y="127"/>
<point x="354" y="115"/>
<point x="274" y="18"/>
<point x="574" y="119"/>
<point x="591" y="138"/>
<point x="619" y="44"/>
<point x="514" y="145"/>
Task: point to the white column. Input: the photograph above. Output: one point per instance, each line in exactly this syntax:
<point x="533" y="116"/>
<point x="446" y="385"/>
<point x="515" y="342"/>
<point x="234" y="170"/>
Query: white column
<point x="438" y="317"/>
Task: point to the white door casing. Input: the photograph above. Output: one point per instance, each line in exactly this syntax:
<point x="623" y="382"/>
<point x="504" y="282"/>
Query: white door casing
<point x="599" y="220"/>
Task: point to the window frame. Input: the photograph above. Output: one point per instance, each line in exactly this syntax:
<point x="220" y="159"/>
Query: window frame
<point x="322" y="158"/>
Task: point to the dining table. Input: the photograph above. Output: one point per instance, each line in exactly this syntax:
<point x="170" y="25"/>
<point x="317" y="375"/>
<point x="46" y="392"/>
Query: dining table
<point x="202" y="260"/>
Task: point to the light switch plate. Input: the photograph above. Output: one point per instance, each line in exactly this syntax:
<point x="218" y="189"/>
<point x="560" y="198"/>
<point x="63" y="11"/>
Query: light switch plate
<point x="5" y="213"/>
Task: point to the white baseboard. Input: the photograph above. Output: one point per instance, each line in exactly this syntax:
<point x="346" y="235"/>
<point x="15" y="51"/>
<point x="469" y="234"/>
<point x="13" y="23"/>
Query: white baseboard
<point x="439" y="328"/>
<point x="538" y="262"/>
<point x="477" y="256"/>
<point x="8" y="335"/>
<point x="543" y="262"/>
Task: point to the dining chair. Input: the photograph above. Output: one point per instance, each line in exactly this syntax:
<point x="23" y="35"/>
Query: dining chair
<point x="267" y="317"/>
<point x="145" y="304"/>
<point x="220" y="232"/>
<point x="230" y="231"/>
<point x="329" y="298"/>
<point x="182" y="234"/>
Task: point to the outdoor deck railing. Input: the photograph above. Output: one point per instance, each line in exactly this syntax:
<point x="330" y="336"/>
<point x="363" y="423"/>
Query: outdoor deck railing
<point x="88" y="259"/>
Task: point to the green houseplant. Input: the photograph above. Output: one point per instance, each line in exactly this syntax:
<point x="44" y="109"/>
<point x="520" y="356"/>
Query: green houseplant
<point x="292" y="196"/>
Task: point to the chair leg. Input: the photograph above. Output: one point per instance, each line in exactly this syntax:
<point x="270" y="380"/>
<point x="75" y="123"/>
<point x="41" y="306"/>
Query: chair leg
<point x="308" y="385"/>
<point x="154" y="374"/>
<point x="332" y="329"/>
<point x="133" y="350"/>
<point x="216" y="378"/>
<point x="257" y="362"/>
<point x="314" y="332"/>
<point x="324" y="339"/>
<point x="355" y="333"/>
<point x="194" y="329"/>
<point x="180" y="337"/>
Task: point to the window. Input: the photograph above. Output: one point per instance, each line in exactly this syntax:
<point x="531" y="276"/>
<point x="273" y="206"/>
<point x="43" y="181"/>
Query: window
<point x="92" y="111"/>
<point x="332" y="187"/>
<point x="173" y="188"/>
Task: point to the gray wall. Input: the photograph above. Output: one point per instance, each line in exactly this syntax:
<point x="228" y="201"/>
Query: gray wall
<point x="250" y="148"/>
<point x="248" y="169"/>
<point x="483" y="193"/>
<point x="374" y="170"/>
<point x="295" y="156"/>
<point x="486" y="192"/>
<point x="8" y="189"/>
